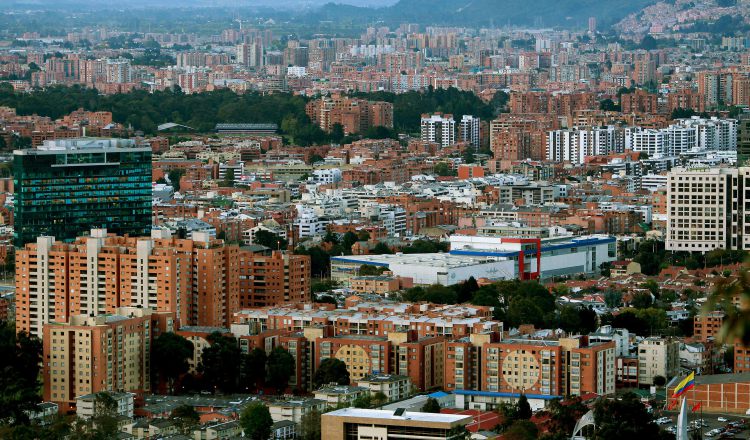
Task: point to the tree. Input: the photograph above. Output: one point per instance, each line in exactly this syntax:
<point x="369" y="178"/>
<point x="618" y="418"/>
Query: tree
<point x="609" y="106"/>
<point x="442" y="169"/>
<point x="737" y="320"/>
<point x="521" y="430"/>
<point x="310" y="426"/>
<point x="379" y="399"/>
<point x="380" y="249"/>
<point x="465" y="291"/>
<point x="169" y="358"/>
<point x="369" y="270"/>
<point x="337" y="133"/>
<point x="174" y="178"/>
<point x="523" y="409"/>
<point x="468" y="155"/>
<point x="624" y="418"/>
<point x="186" y="418"/>
<point x="220" y="363"/>
<point x="20" y="359"/>
<point x="253" y="369"/>
<point x="641" y="300"/>
<point x="331" y="370"/>
<point x="228" y="177"/>
<point x="613" y="298"/>
<point x="105" y="415"/>
<point x="648" y="42"/>
<point x="563" y="417"/>
<point x="431" y="405"/>
<point x="660" y="381"/>
<point x="652" y="287"/>
<point x="729" y="358"/>
<point x="348" y="241"/>
<point x="269" y="239"/>
<point x="256" y="421"/>
<point x="280" y="368"/>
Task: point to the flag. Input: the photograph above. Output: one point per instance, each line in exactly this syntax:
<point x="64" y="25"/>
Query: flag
<point x="686" y="384"/>
<point x="696" y="407"/>
<point x="672" y="404"/>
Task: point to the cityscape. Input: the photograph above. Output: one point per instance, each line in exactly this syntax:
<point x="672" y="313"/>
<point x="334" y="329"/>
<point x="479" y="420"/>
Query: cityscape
<point x="375" y="220"/>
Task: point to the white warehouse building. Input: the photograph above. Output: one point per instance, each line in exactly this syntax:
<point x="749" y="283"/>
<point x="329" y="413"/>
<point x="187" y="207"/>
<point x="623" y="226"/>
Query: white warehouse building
<point x="498" y="258"/>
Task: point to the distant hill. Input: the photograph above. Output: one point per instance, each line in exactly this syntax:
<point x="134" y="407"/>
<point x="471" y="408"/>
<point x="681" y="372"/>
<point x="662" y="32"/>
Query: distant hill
<point x="567" y="13"/>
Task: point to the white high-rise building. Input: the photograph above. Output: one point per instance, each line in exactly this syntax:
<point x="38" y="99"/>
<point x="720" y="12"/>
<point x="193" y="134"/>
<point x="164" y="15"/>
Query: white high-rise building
<point x="707" y="209"/>
<point x="575" y="144"/>
<point x="439" y="128"/>
<point x="468" y="131"/>
<point x="651" y="142"/>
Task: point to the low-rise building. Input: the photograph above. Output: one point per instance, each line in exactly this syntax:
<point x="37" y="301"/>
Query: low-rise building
<point x="293" y="410"/>
<point x="382" y="424"/>
<point x="336" y="395"/>
<point x="394" y="387"/>
<point x="86" y="405"/>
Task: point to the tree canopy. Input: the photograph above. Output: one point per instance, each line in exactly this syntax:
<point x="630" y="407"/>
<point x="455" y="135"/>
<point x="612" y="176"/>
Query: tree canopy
<point x="169" y="358"/>
<point x="280" y="368"/>
<point x="20" y="359"/>
<point x="331" y="370"/>
<point x="256" y="421"/>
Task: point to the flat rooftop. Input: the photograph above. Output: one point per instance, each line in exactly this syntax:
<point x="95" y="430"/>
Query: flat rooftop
<point x="83" y="145"/>
<point x="389" y="415"/>
<point x="443" y="260"/>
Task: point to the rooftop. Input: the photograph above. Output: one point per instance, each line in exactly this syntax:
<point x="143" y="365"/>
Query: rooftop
<point x="407" y="415"/>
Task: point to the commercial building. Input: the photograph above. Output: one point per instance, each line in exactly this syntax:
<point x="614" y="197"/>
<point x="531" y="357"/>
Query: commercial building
<point x="706" y="208"/>
<point x="65" y="187"/>
<point x="356" y="423"/>
<point x="439" y="129"/>
<point x="87" y="355"/>
<point x="540" y="258"/>
<point x="425" y="269"/>
<point x="492" y="257"/>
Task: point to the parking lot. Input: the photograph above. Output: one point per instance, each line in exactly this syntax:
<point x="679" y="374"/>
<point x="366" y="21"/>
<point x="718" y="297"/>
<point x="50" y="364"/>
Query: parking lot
<point x="712" y="422"/>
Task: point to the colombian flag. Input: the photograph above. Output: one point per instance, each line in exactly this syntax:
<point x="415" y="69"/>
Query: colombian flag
<point x="686" y="384"/>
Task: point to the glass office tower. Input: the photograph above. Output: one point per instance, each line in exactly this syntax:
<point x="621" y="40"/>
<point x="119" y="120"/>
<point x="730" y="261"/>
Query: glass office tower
<point x="66" y="187"/>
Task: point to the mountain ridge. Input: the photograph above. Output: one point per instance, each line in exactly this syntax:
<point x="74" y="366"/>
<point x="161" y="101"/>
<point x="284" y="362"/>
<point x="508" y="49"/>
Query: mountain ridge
<point x="566" y="13"/>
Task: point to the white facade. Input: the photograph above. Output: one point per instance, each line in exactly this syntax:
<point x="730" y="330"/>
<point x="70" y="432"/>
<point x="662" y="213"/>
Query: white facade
<point x="440" y="129"/>
<point x="575" y="144"/>
<point x="706" y="209"/>
<point x="469" y="130"/>
<point x="651" y="142"/>
<point x="125" y="403"/>
<point x="427" y="269"/>
<point x="327" y="176"/>
<point x="653" y="182"/>
<point x="559" y="255"/>
<point x="308" y="223"/>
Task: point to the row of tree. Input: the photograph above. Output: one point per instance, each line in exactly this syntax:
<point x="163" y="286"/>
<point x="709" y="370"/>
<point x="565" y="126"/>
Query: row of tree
<point x="143" y="110"/>
<point x="223" y="366"/>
